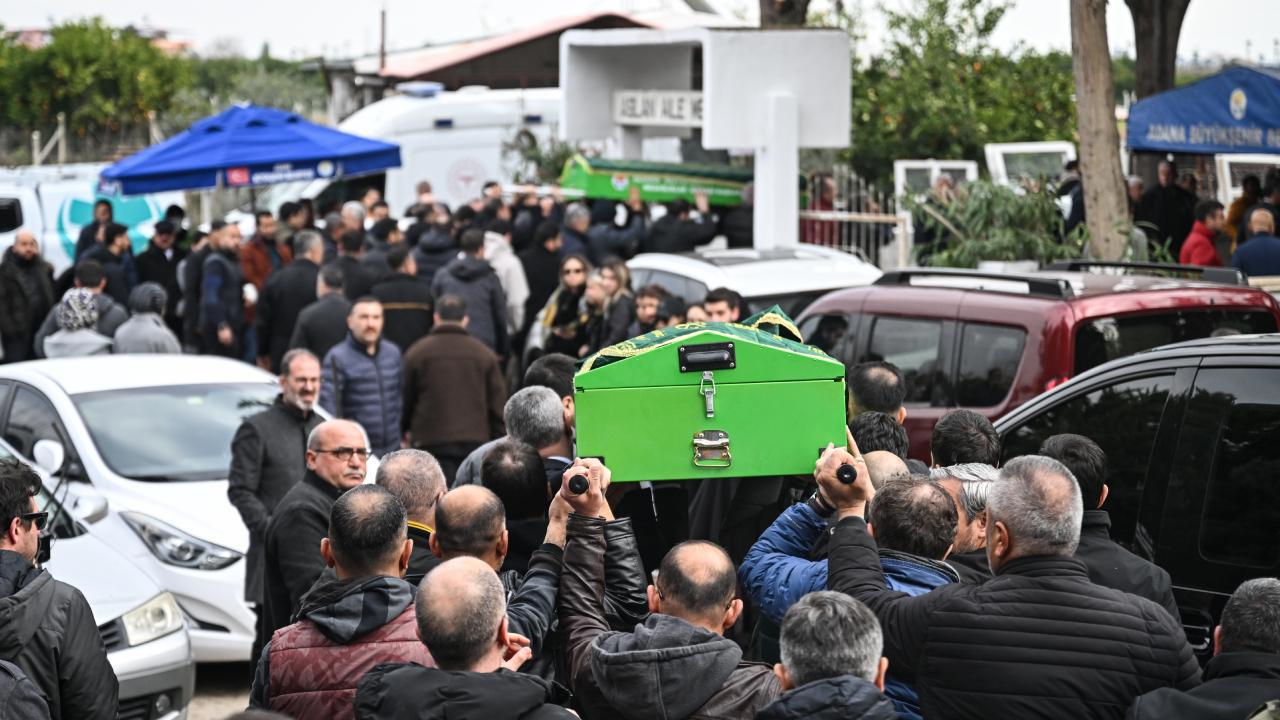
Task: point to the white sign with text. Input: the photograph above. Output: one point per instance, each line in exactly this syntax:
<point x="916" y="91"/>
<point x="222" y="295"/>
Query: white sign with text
<point x="664" y="108"/>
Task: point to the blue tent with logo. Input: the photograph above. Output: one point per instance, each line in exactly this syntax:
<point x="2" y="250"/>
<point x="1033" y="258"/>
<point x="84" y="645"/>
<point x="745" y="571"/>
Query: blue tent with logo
<point x="247" y="146"/>
<point x="1234" y="111"/>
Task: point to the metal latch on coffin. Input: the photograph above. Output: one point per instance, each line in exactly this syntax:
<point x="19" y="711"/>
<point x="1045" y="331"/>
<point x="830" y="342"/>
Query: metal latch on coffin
<point x="707" y="388"/>
<point x="711" y="449"/>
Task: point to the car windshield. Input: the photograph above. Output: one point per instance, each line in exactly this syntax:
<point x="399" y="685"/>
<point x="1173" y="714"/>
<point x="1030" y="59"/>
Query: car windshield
<point x="174" y="433"/>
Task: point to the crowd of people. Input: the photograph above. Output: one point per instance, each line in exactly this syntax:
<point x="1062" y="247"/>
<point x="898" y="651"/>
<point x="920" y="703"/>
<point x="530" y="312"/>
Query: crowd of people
<point x="953" y="586"/>
<point x="520" y="265"/>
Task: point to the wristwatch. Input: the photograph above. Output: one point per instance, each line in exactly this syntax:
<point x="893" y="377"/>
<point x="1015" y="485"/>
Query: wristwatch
<point x="819" y="505"/>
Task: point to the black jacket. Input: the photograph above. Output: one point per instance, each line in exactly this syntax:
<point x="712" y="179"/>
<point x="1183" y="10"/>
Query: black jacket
<point x="972" y="566"/>
<point x="541" y="269"/>
<point x="321" y="325"/>
<point x="113" y="269"/>
<point x="154" y="267"/>
<point x="47" y="630"/>
<point x="663" y="668"/>
<point x="1234" y="684"/>
<point x="1038" y="640"/>
<point x="406" y="308"/>
<point x="292" y="559"/>
<point x="1112" y="566"/>
<point x="221" y="296"/>
<point x="421" y="561"/>
<point x="474" y="280"/>
<point x="406" y="690"/>
<point x="357" y="281"/>
<point x="20" y="697"/>
<point x="434" y="250"/>
<point x="670" y="234"/>
<point x="26" y="293"/>
<point x="268" y="457"/>
<point x="287" y="292"/>
<point x="738" y="226"/>
<point x="838" y="698"/>
<point x="191" y="273"/>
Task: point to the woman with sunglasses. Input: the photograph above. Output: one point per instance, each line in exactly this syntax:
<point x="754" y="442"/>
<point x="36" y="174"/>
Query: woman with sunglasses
<point x="563" y="317"/>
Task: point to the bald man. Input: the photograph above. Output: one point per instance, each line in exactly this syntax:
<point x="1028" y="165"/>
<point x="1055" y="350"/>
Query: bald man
<point x="471" y="522"/>
<point x="677" y="663"/>
<point x="1260" y="255"/>
<point x="885" y="467"/>
<point x="26" y="295"/>
<point x="462" y="619"/>
<point x="336" y="456"/>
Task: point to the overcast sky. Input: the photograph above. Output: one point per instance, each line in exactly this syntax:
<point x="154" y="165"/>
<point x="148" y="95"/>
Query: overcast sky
<point x="350" y="27"/>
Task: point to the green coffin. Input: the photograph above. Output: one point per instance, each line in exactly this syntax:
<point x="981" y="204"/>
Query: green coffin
<point x="710" y="400"/>
<point x="601" y="179"/>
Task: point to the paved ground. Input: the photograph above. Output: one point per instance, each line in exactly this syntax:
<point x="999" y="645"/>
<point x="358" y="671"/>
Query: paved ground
<point x="222" y="689"/>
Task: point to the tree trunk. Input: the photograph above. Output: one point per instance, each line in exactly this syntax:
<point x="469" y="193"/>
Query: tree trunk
<point x="783" y="13"/>
<point x="1156" y="27"/>
<point x="1106" y="210"/>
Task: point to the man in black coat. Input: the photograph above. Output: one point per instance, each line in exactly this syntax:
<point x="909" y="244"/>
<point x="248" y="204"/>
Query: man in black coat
<point x="46" y="626"/>
<point x="191" y="272"/>
<point x="407" y="304"/>
<point x="1245" y="670"/>
<point x="738" y="224"/>
<point x="1038" y="639"/>
<point x="336" y="456"/>
<point x="541" y="262"/>
<point x="288" y="291"/>
<point x="323" y="323"/>
<point x="1109" y="564"/>
<point x="222" y="325"/>
<point x="1168" y="209"/>
<point x="677" y="232"/>
<point x="26" y="295"/>
<point x="102" y="215"/>
<point x="473" y="279"/>
<point x="159" y="264"/>
<point x="110" y="255"/>
<point x="269" y="457"/>
<point x="357" y="281"/>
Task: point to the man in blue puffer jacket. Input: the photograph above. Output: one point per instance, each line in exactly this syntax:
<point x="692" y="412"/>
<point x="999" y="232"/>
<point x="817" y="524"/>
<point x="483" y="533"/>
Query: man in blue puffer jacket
<point x="360" y="379"/>
<point x="914" y="523"/>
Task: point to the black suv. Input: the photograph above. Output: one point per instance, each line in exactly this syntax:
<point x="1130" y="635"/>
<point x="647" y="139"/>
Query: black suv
<point x="1192" y="436"/>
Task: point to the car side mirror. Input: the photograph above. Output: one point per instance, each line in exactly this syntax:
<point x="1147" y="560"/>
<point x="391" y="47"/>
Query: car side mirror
<point x="49" y="456"/>
<point x="90" y="507"/>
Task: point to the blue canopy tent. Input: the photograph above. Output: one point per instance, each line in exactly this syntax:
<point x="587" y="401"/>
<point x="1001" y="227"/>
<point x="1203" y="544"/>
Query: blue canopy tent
<point x="247" y="146"/>
<point x="1235" y="111"/>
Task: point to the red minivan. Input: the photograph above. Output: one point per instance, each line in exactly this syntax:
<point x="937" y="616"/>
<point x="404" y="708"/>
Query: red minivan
<point x="991" y="341"/>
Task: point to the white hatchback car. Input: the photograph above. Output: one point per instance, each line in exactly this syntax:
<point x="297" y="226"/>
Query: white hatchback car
<point x="141" y="626"/>
<point x="147" y="445"/>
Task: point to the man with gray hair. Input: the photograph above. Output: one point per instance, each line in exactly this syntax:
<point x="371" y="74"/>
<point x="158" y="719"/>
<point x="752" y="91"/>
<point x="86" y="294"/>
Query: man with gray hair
<point x="831" y="663"/>
<point x="287" y="292"/>
<point x="968" y="484"/>
<point x="1245" y="670"/>
<point x="1038" y="640"/>
<point x="573" y="231"/>
<point x="534" y="416"/>
<point x="415" y="477"/>
<point x="462" y="619"/>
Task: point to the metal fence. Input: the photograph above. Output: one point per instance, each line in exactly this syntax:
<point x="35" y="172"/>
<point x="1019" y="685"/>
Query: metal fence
<point x="848" y="213"/>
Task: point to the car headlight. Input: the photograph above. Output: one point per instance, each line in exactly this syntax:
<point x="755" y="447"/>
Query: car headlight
<point x="175" y="547"/>
<point x="153" y="619"/>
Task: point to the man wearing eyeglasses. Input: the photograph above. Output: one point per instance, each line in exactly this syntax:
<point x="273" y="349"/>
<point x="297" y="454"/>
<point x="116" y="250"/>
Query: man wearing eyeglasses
<point x="46" y="626"/>
<point x="336" y="455"/>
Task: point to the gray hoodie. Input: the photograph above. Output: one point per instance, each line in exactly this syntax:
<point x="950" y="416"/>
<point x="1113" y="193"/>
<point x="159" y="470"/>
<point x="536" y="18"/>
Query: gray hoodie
<point x="146" y="332"/>
<point x="75" y="343"/>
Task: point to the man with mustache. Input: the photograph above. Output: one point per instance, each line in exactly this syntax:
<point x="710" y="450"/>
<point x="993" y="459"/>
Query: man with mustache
<point x="268" y="457"/>
<point x="336" y="454"/>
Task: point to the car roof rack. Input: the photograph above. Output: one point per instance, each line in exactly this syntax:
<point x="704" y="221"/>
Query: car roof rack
<point x="1226" y="276"/>
<point x="1000" y="282"/>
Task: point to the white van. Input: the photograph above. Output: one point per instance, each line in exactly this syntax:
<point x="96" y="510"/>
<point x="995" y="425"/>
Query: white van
<point x="455" y="140"/>
<point x="55" y="201"/>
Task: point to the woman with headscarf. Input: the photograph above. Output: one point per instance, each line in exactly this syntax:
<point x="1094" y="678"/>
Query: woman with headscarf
<point x="76" y="315"/>
<point x="146" y="331"/>
<point x="563" y="319"/>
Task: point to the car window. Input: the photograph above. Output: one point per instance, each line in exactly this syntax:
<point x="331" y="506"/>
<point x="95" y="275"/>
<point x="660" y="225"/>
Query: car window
<point x="31" y="418"/>
<point x="832" y="334"/>
<point x="10" y="214"/>
<point x="677" y="285"/>
<point x="5" y="389"/>
<point x="1108" y="338"/>
<point x="989" y="358"/>
<point x="640" y="278"/>
<point x="913" y="346"/>
<point x="1241" y="522"/>
<point x="1123" y="418"/>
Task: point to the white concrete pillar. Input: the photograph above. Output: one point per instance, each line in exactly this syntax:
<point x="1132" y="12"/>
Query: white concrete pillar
<point x="777" y="196"/>
<point x="632" y="143"/>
